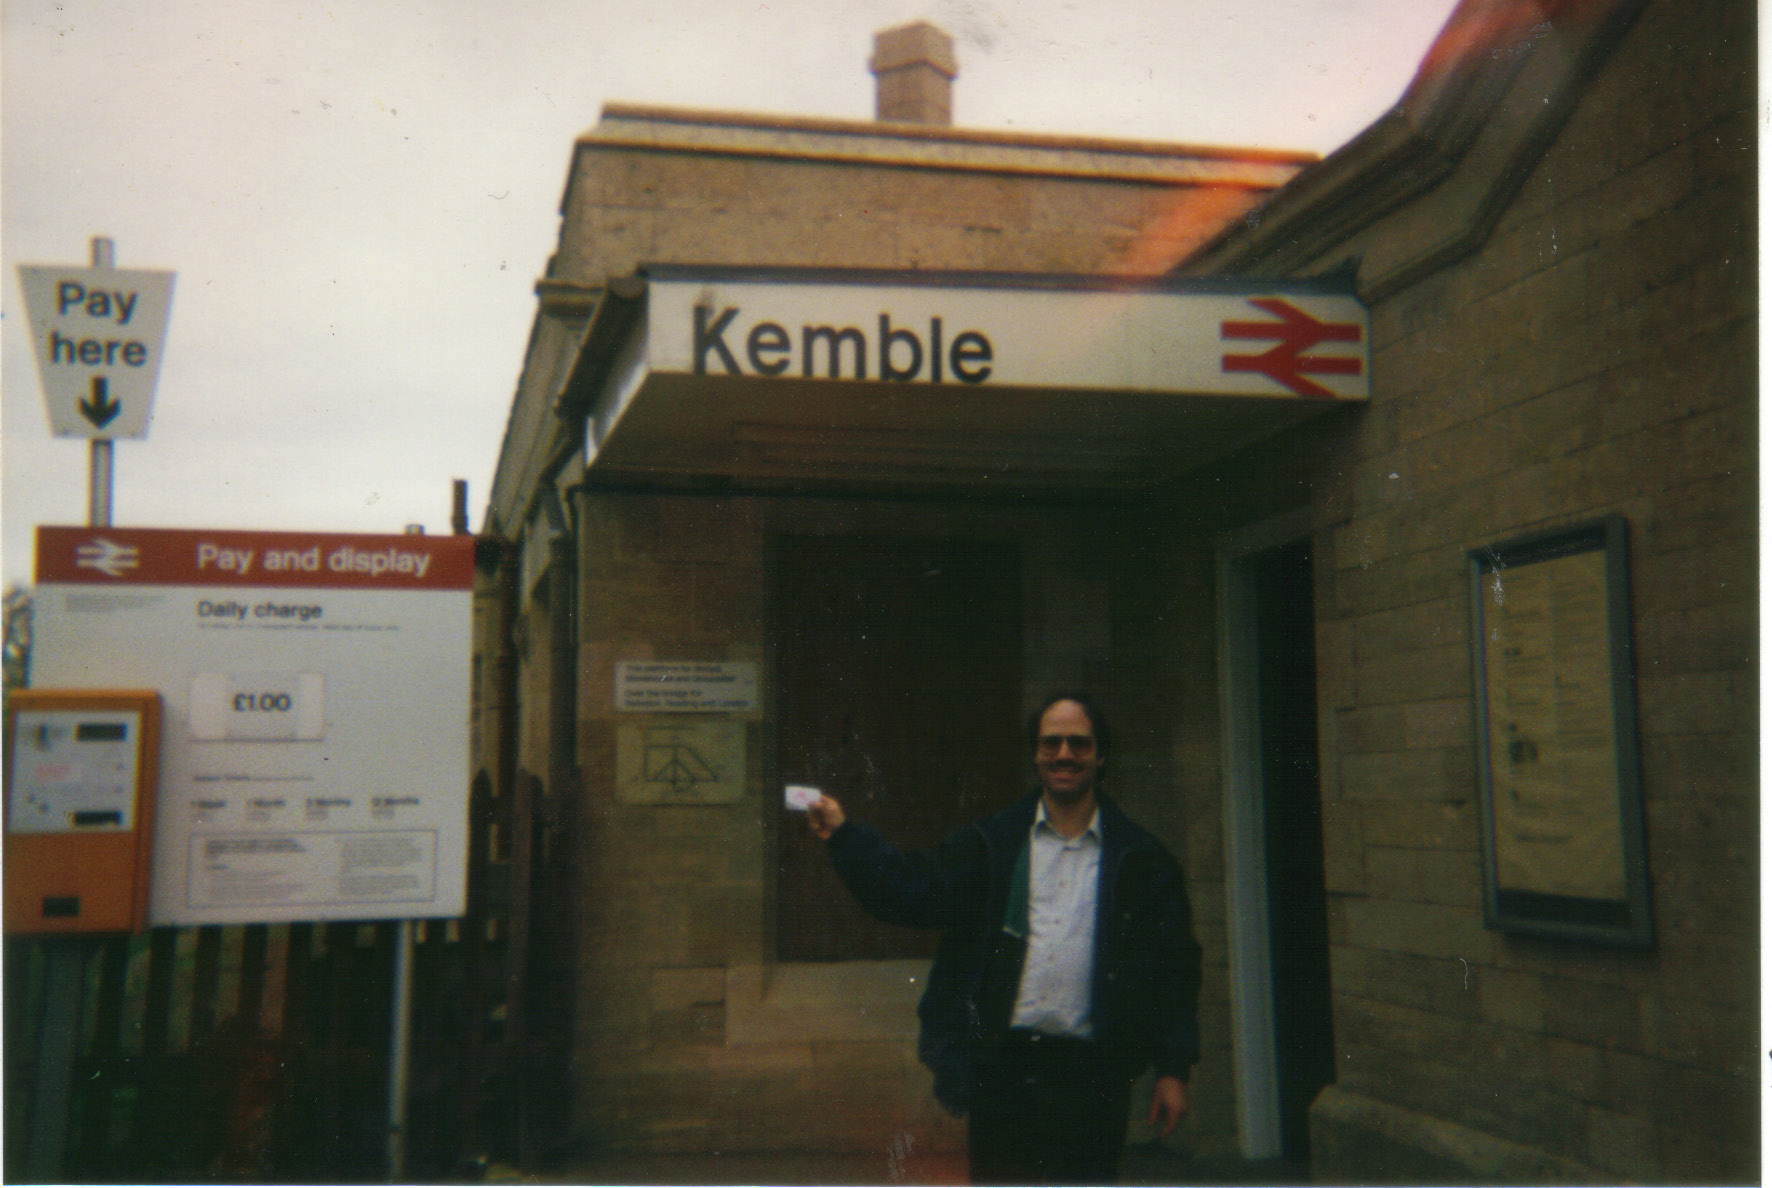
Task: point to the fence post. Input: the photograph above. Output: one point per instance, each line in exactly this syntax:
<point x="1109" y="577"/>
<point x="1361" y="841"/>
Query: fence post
<point x="58" y="1046"/>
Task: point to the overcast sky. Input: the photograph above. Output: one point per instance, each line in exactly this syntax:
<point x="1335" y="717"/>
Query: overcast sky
<point x="358" y="196"/>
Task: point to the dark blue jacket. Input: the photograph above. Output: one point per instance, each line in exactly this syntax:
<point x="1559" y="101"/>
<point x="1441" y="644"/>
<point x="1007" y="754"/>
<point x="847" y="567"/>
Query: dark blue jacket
<point x="1146" y="979"/>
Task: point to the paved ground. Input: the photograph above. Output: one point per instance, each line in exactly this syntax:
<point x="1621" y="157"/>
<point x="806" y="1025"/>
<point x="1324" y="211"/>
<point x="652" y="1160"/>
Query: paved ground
<point x="1144" y="1165"/>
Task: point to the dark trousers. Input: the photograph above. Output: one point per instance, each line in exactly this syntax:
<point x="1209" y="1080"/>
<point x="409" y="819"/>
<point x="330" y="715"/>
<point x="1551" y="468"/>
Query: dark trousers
<point x="1045" y="1111"/>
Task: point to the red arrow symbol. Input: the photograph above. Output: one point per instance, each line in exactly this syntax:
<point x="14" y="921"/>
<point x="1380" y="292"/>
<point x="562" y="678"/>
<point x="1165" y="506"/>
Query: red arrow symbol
<point x="1295" y="333"/>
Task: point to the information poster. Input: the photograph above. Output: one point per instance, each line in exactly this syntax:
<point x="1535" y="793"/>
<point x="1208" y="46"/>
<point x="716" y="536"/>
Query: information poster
<point x="316" y="686"/>
<point x="1559" y="775"/>
<point x="1551" y="742"/>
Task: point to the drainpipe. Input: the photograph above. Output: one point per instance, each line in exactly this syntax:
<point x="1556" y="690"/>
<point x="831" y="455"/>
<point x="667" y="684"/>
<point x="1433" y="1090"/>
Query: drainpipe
<point x="563" y="659"/>
<point x="528" y="862"/>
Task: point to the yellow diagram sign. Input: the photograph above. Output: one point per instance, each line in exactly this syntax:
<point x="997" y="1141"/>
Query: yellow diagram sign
<point x="680" y="762"/>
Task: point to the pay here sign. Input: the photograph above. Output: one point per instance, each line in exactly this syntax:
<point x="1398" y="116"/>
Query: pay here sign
<point x="98" y="334"/>
<point x="316" y="687"/>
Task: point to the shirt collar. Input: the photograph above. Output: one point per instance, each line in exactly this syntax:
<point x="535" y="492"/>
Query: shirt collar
<point x="1093" y="828"/>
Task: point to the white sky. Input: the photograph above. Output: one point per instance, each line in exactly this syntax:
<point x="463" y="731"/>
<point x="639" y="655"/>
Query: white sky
<point x="358" y="196"/>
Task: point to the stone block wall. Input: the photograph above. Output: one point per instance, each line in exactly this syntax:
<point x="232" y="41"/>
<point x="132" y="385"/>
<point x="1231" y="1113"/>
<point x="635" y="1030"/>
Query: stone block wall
<point x="771" y="207"/>
<point x="1595" y="356"/>
<point x="690" y="1036"/>
<point x="669" y="895"/>
<point x="680" y="1040"/>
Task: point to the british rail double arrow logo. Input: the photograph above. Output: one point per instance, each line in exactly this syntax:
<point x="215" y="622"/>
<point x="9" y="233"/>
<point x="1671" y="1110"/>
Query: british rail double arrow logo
<point x="1294" y="333"/>
<point x="107" y="557"/>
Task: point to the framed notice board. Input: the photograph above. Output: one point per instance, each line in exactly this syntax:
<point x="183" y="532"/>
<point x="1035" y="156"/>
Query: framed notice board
<point x="1557" y="759"/>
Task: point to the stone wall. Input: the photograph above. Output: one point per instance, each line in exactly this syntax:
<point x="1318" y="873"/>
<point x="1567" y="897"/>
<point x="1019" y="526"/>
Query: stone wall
<point x="1595" y="356"/>
<point x="657" y="187"/>
<point x="690" y="1036"/>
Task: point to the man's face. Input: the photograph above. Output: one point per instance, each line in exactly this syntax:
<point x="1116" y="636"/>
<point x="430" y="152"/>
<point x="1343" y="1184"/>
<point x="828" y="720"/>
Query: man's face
<point x="1065" y="754"/>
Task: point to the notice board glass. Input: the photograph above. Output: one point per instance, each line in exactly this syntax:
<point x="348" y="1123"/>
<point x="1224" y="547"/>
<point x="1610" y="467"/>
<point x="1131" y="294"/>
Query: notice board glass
<point x="1559" y="775"/>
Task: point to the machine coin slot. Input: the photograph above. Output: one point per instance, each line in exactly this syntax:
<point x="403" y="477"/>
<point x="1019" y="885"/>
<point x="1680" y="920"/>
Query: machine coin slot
<point x="87" y="818"/>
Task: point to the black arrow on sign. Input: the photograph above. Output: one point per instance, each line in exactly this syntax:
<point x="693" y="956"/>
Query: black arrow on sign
<point x="101" y="410"/>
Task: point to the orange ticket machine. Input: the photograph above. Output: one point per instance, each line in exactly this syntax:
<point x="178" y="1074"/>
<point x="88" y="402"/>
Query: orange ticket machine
<point x="80" y="775"/>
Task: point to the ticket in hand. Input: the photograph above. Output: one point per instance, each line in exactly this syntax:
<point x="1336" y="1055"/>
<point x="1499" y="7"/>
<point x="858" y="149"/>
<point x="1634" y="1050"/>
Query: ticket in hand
<point x="801" y="797"/>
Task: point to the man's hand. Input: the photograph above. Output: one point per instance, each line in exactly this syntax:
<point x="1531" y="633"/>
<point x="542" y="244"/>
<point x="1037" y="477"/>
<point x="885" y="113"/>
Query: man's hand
<point x="824" y="817"/>
<point x="1168" y="1103"/>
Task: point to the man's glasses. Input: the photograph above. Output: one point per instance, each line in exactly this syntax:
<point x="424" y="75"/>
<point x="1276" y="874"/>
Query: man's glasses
<point x="1080" y="744"/>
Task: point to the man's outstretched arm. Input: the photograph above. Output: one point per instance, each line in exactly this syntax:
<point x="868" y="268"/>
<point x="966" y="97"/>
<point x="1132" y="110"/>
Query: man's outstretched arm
<point x="916" y="888"/>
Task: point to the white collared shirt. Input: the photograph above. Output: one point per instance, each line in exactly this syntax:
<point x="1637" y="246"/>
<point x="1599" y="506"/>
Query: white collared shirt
<point x="1063" y="879"/>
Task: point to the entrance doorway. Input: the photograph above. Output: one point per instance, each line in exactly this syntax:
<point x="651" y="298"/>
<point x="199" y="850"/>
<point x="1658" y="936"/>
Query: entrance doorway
<point x="1273" y="819"/>
<point x="898" y="670"/>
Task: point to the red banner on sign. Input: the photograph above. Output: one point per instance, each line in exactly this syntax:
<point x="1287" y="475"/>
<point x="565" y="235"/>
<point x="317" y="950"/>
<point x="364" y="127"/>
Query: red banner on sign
<point x="228" y="557"/>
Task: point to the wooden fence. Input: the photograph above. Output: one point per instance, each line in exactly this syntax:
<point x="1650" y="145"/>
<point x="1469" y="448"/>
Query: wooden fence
<point x="257" y="1052"/>
<point x="262" y="1052"/>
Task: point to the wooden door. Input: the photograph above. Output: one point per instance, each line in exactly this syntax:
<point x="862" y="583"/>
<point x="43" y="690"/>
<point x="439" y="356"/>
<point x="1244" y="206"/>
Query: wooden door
<point x="899" y="690"/>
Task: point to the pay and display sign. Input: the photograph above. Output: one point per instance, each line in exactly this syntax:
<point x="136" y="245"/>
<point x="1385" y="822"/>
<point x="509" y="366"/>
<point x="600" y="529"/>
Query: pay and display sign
<point x="314" y="751"/>
<point x="97" y="334"/>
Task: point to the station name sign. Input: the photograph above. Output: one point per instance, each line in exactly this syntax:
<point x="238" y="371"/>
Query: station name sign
<point x="833" y="352"/>
<point x="1307" y="345"/>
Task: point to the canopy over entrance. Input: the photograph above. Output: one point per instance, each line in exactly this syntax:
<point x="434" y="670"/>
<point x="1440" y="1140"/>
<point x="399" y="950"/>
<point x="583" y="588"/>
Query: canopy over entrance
<point x="909" y="380"/>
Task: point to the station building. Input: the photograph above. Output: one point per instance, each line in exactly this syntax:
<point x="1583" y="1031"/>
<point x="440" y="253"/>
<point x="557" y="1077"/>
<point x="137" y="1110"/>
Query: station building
<point x="837" y="444"/>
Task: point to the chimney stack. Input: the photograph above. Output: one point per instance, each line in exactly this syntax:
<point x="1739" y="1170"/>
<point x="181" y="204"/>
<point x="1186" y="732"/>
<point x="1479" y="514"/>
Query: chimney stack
<point x="914" y="71"/>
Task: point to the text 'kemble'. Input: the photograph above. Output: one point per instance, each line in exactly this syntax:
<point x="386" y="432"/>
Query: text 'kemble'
<point x="843" y="352"/>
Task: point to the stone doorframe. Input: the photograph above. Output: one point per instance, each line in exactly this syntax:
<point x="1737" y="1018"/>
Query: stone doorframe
<point x="1246" y="900"/>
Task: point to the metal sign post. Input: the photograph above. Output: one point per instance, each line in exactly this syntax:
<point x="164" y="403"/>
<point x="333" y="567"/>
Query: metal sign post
<point x="97" y="334"/>
<point x="66" y="958"/>
<point x="100" y="464"/>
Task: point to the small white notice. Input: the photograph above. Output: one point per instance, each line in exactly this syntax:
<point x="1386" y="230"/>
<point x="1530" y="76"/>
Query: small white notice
<point x="685" y="687"/>
<point x="801" y="797"/>
<point x="312" y="868"/>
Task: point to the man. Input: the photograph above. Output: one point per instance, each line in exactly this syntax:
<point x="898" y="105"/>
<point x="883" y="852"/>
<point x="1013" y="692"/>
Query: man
<point x="1067" y="963"/>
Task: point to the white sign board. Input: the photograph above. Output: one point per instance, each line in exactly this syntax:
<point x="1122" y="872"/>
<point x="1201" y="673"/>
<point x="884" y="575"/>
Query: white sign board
<point x="314" y="758"/>
<point x="97" y="334"/>
<point x="1262" y="343"/>
<point x="685" y="687"/>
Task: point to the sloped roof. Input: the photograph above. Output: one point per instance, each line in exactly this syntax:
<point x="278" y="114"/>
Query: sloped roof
<point x="1493" y="91"/>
